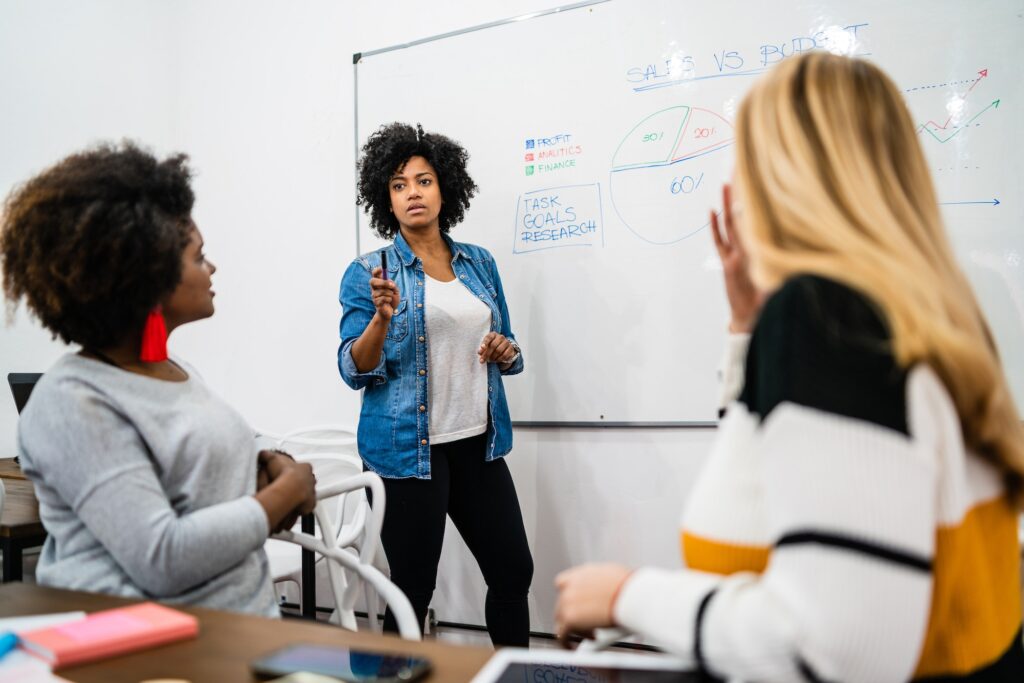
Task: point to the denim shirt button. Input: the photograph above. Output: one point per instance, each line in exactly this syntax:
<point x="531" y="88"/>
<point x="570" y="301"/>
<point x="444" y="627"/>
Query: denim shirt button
<point x="462" y="277"/>
<point x="422" y="372"/>
<point x="422" y="408"/>
<point x="423" y="442"/>
<point x="419" y="305"/>
<point x="422" y="338"/>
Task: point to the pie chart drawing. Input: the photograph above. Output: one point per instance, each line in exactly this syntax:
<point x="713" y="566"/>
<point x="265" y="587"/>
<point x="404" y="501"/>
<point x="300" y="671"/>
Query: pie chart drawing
<point x="662" y="183"/>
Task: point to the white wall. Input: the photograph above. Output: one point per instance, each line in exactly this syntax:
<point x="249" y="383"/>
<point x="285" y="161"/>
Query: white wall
<point x="265" y="110"/>
<point x="259" y="93"/>
<point x="72" y="73"/>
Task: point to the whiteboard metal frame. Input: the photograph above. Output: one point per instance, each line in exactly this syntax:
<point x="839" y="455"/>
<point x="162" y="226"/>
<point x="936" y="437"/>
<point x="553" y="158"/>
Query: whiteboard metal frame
<point x="358" y="57"/>
<point x="500" y="22"/>
<point x="602" y="424"/>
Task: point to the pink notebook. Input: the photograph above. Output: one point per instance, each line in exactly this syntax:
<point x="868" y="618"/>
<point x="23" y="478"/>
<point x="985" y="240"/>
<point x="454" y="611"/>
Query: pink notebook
<point x="111" y="632"/>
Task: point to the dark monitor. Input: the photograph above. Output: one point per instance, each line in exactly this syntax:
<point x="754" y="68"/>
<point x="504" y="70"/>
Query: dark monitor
<point x="22" y="384"/>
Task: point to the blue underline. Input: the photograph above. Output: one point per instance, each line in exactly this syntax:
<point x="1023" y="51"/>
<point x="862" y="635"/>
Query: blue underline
<point x="681" y="81"/>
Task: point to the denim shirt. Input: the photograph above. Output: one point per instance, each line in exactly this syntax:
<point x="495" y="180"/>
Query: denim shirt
<point x="394" y="422"/>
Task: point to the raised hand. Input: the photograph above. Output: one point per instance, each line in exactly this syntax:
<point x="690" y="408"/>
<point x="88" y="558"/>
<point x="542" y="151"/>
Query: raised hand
<point x="745" y="299"/>
<point x="384" y="293"/>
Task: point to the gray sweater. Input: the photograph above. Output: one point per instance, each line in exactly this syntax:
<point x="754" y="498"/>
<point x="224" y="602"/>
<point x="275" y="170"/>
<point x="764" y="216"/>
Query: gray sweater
<point x="145" y="488"/>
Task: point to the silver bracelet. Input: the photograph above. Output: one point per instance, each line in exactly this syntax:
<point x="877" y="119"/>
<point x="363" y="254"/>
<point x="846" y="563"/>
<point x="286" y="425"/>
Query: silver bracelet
<point x="518" y="351"/>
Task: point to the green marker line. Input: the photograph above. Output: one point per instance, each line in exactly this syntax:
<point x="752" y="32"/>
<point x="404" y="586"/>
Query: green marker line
<point x="671" y="149"/>
<point x="995" y="103"/>
<point x="679" y="133"/>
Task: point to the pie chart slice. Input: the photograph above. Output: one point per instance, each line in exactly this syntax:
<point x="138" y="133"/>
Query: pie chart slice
<point x="705" y="132"/>
<point x="653" y="140"/>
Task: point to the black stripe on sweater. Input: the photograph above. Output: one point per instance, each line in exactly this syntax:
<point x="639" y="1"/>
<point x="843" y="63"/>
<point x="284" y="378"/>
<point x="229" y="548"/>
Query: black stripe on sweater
<point x="900" y="557"/>
<point x="698" y="646"/>
<point x="809" y="674"/>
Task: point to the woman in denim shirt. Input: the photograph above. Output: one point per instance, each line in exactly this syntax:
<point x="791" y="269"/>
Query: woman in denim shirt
<point x="428" y="342"/>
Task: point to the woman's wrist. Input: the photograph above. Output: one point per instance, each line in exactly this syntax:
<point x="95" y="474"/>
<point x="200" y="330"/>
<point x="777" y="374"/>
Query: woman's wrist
<point x="290" y="484"/>
<point x="505" y="365"/>
<point x="615" y="597"/>
<point x="741" y="325"/>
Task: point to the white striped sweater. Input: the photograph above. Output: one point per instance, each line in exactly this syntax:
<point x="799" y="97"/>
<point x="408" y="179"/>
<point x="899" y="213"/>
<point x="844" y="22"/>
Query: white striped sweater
<point x="840" y="530"/>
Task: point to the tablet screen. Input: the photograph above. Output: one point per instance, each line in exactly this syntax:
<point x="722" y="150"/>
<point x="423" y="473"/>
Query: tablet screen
<point x="524" y="672"/>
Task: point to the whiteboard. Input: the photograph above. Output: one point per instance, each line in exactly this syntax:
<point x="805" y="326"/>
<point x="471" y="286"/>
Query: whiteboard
<point x="600" y="135"/>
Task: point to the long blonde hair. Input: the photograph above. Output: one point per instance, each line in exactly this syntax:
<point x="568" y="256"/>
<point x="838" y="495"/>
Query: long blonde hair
<point x="835" y="184"/>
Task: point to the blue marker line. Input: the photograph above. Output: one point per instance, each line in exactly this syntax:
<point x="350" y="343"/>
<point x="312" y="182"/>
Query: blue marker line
<point x="559" y="187"/>
<point x="681" y="81"/>
<point x="672" y="163"/>
<point x="990" y="202"/>
<point x="554" y="246"/>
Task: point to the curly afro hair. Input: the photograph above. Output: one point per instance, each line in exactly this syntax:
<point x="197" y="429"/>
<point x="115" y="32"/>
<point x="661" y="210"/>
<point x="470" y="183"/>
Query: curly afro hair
<point x="95" y="242"/>
<point x="386" y="152"/>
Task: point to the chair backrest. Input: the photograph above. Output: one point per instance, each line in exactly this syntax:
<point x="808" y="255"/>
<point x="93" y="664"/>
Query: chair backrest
<point x="324" y="437"/>
<point x="340" y="559"/>
<point x="331" y="450"/>
<point x="347" y="510"/>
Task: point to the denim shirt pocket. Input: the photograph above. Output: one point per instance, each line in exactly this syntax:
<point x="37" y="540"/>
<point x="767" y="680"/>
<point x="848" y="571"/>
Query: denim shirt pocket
<point x="399" y="326"/>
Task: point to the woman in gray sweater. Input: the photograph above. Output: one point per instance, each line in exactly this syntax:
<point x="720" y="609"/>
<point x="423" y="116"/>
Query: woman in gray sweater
<point x="149" y="485"/>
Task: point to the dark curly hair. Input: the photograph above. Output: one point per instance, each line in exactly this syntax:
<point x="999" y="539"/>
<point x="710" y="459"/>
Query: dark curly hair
<point x="95" y="242"/>
<point x="386" y="152"/>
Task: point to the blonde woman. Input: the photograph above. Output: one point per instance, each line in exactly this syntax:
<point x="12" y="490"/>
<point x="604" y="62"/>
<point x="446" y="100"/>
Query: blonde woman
<point x="857" y="518"/>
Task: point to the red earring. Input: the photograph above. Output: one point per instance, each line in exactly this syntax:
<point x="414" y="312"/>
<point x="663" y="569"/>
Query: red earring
<point x="154" y="338"/>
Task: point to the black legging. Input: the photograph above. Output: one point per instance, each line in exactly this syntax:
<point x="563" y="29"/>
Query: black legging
<point x="481" y="499"/>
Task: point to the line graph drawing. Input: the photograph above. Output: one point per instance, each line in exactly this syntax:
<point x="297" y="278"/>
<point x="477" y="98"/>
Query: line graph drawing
<point x="950" y="127"/>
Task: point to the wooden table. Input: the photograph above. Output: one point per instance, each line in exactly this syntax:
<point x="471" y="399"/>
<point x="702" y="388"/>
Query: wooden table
<point x="11" y="470"/>
<point x="227" y="642"/>
<point x="20" y="526"/>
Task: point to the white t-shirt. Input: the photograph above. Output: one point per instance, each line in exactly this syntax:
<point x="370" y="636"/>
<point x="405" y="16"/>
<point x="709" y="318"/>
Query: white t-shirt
<point x="457" y="382"/>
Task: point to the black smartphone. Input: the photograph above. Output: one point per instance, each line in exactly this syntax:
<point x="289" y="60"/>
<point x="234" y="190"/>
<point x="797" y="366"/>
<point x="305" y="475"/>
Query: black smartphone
<point x="346" y="664"/>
